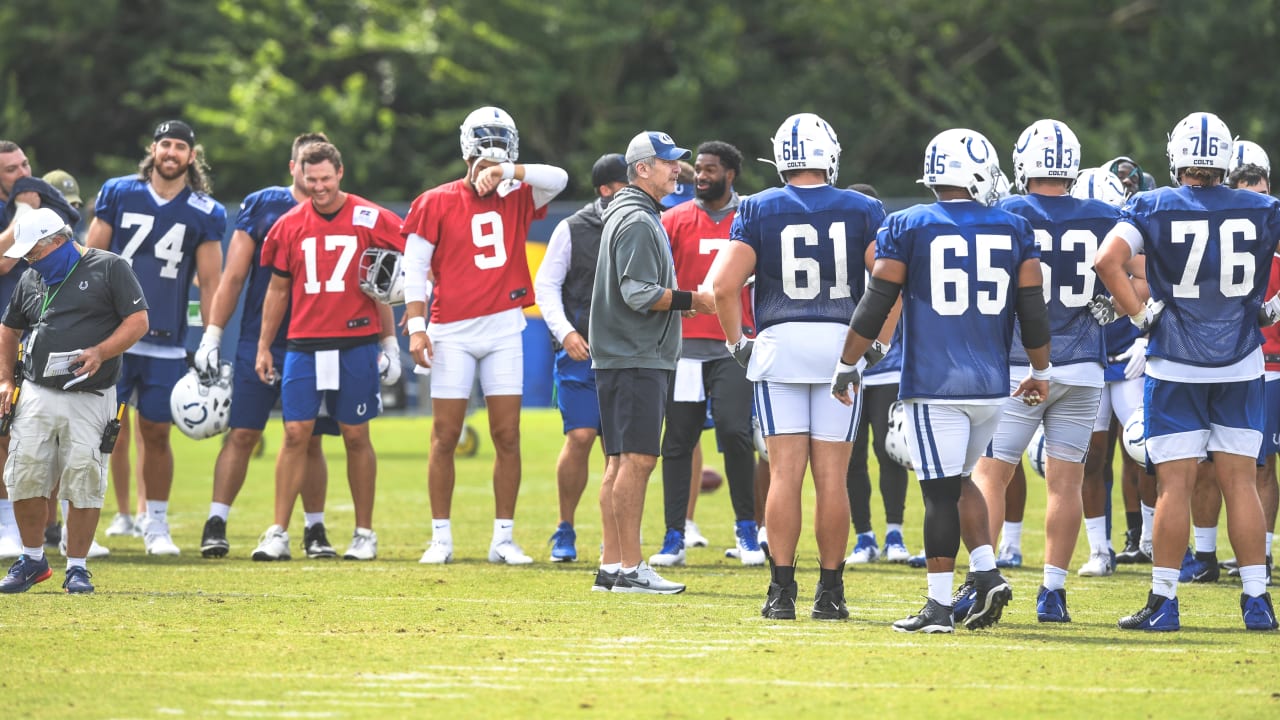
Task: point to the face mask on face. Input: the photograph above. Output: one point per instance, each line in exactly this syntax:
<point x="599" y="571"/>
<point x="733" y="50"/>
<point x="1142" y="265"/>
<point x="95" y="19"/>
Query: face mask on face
<point x="55" y="266"/>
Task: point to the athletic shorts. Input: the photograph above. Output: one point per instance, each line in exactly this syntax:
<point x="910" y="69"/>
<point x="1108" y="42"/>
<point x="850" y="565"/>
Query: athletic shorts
<point x="633" y="405"/>
<point x="1189" y="420"/>
<point x="252" y="400"/>
<point x="358" y="398"/>
<point x="1121" y="398"/>
<point x="457" y="361"/>
<point x="55" y="436"/>
<point x="576" y="393"/>
<point x="1068" y="414"/>
<point x="147" y="382"/>
<point x="1271" y="436"/>
<point x="805" y="409"/>
<point x="947" y="439"/>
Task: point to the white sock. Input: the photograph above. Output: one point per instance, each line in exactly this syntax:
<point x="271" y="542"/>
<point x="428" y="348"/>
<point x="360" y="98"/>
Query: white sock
<point x="982" y="558"/>
<point x="1096" y="530"/>
<point x="1012" y="533"/>
<point x="309" y="519"/>
<point x="75" y="562"/>
<point x="1148" y="524"/>
<point x="940" y="587"/>
<point x="35" y="553"/>
<point x="892" y="527"/>
<point x="1207" y="539"/>
<point x="1055" y="578"/>
<point x="1270" y="536"/>
<point x="158" y="512"/>
<point x="1254" y="578"/>
<point x="502" y="530"/>
<point x="1164" y="581"/>
<point x="442" y="532"/>
<point x="219" y="510"/>
<point x="627" y="570"/>
<point x="611" y="567"/>
<point x="65" y="506"/>
<point x="6" y="514"/>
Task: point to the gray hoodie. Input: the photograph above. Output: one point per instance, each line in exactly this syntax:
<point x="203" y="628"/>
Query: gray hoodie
<point x="633" y="270"/>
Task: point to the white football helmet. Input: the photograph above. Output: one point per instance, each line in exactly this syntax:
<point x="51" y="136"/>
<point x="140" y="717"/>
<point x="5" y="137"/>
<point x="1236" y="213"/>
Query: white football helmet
<point x="490" y="133"/>
<point x="1035" y="451"/>
<point x="381" y="275"/>
<point x="1199" y="140"/>
<point x="1246" y="152"/>
<point x="202" y="408"/>
<point x="1046" y="149"/>
<point x="1099" y="184"/>
<point x="758" y="436"/>
<point x="895" y="437"/>
<point x="965" y="159"/>
<point x="806" y="142"/>
<point x="1135" y="436"/>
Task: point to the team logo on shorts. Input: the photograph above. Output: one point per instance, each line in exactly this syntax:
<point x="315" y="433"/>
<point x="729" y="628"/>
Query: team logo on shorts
<point x="361" y="409"/>
<point x="84" y="284"/>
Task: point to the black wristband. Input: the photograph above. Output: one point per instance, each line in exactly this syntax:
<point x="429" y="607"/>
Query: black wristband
<point x="681" y="300"/>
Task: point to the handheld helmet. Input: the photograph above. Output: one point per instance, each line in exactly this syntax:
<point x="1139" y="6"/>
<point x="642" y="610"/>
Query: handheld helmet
<point x="965" y="159"/>
<point x="1246" y="152"/>
<point x="1099" y="184"/>
<point x="382" y="276"/>
<point x="1199" y="140"/>
<point x="201" y="407"/>
<point x="1035" y="451"/>
<point x="758" y="436"/>
<point x="1135" y="436"/>
<point x="806" y="142"/>
<point x="1046" y="149"/>
<point x="895" y="437"/>
<point x="489" y="133"/>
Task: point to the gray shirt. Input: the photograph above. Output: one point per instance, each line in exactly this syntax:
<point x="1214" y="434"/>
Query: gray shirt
<point x="81" y="311"/>
<point x="632" y="272"/>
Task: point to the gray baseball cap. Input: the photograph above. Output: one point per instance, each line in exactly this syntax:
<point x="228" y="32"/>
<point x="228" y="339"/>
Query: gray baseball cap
<point x="651" y="143"/>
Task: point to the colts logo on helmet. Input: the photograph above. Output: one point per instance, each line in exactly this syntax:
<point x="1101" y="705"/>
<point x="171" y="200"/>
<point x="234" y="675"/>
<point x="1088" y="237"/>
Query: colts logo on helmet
<point x="190" y="420"/>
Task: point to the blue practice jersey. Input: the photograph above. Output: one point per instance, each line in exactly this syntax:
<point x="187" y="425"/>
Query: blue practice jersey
<point x="1068" y="232"/>
<point x="962" y="263"/>
<point x="258" y="213"/>
<point x="159" y="241"/>
<point x="810" y="245"/>
<point x="1208" y="253"/>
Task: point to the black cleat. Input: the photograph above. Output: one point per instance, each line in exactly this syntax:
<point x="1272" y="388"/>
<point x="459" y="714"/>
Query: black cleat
<point x="781" y="604"/>
<point x="934" y="617"/>
<point x="828" y="603"/>
<point x="992" y="593"/>
<point x="1133" y="553"/>
<point x="213" y="542"/>
<point x="316" y="543"/>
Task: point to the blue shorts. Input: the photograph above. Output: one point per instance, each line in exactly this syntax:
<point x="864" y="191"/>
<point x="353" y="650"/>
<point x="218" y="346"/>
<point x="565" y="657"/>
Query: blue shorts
<point x="1271" y="435"/>
<point x="252" y="399"/>
<point x="147" y="382"/>
<point x="576" y="393"/>
<point x="1190" y="420"/>
<point x="358" y="399"/>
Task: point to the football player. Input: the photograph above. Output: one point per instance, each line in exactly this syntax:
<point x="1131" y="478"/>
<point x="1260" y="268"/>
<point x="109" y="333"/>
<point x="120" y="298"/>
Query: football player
<point x="964" y="269"/>
<point x="252" y="400"/>
<point x="470" y="234"/>
<point x="807" y="243"/>
<point x="334" y="334"/>
<point x="164" y="222"/>
<point x="1209" y="249"/>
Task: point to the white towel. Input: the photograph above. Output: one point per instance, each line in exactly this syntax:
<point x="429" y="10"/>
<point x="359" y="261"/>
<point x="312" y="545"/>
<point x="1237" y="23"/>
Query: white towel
<point x="327" y="369"/>
<point x="688" y="384"/>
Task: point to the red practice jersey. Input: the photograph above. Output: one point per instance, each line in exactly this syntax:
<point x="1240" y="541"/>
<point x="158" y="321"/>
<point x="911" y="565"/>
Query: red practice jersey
<point x="1271" y="335"/>
<point x="696" y="239"/>
<point x="479" y="263"/>
<point x="323" y="258"/>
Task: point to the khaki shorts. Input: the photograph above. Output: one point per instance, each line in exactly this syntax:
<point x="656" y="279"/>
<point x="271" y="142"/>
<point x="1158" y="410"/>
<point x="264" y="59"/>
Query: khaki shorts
<point x="55" y="436"/>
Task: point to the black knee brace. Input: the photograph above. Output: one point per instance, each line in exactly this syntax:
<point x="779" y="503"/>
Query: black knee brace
<point x="941" y="517"/>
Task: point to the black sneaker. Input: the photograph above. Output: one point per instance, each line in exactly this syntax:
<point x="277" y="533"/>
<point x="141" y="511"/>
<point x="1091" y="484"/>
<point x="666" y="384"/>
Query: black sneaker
<point x="213" y="542"/>
<point x="1133" y="554"/>
<point x="828" y="603"/>
<point x="934" y="617"/>
<point x="316" y="543"/>
<point x="1208" y="572"/>
<point x="991" y="594"/>
<point x="604" y="581"/>
<point x="53" y="534"/>
<point x="781" y="604"/>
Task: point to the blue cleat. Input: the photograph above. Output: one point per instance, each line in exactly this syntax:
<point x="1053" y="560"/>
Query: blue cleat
<point x="895" y="550"/>
<point x="864" y="551"/>
<point x="1258" y="613"/>
<point x="1010" y="557"/>
<point x="963" y="599"/>
<point x="1051" y="606"/>
<point x="1160" y="615"/>
<point x="77" y="582"/>
<point x="562" y="544"/>
<point x="917" y="561"/>
<point x="672" y="552"/>
<point x="24" y="573"/>
<point x="1190" y="566"/>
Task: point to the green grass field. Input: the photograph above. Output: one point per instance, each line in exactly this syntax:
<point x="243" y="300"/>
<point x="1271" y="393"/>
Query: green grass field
<point x="188" y="637"/>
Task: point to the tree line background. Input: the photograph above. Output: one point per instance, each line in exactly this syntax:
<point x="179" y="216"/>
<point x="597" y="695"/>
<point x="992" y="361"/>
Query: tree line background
<point x="82" y="84"/>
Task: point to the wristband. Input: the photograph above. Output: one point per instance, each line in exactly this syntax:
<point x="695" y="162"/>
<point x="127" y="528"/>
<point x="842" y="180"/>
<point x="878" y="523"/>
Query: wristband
<point x="213" y="332"/>
<point x="681" y="300"/>
<point x="1041" y="374"/>
<point x="417" y="325"/>
<point x="508" y="170"/>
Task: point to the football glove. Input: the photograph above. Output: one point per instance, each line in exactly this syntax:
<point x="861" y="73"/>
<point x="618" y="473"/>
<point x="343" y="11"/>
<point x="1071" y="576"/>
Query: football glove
<point x="208" y="354"/>
<point x="1269" y="313"/>
<point x="741" y="350"/>
<point x="875" y="353"/>
<point x="1136" y="356"/>
<point x="389" y="361"/>
<point x="1146" y="318"/>
<point x="847" y="378"/>
<point x="1103" y="309"/>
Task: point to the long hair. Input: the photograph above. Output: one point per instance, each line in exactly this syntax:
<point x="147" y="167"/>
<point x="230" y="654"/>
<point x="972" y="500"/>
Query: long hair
<point x="197" y="172"/>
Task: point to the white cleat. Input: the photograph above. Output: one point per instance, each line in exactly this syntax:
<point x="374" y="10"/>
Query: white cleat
<point x="1098" y="565"/>
<point x="10" y="546"/>
<point x="157" y="540"/>
<point x="95" y="550"/>
<point x="122" y="526"/>
<point x="364" y="545"/>
<point x="693" y="538"/>
<point x="438" y="553"/>
<point x="507" y="552"/>
<point x="662" y="559"/>
<point x="274" y="545"/>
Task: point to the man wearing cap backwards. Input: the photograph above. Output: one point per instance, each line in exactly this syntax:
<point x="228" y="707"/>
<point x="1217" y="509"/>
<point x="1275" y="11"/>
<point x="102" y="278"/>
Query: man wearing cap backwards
<point x="563" y="287"/>
<point x="164" y="223"/>
<point x="634" y="334"/>
<point x="470" y="234"/>
<point x="82" y="309"/>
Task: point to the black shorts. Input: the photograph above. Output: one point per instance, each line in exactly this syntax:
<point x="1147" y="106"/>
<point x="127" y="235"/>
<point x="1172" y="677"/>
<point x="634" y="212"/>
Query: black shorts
<point x="633" y="404"/>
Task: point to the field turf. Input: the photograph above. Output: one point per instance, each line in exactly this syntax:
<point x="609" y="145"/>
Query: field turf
<point x="188" y="637"/>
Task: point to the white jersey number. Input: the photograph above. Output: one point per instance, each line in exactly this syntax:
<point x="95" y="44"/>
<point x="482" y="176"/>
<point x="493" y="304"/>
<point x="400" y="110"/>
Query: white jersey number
<point x="949" y="286"/>
<point x="487" y="235"/>
<point x="167" y="249"/>
<point x="1071" y="240"/>
<point x="1231" y="230"/>
<point x="336" y="283"/>
<point x="802" y="276"/>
